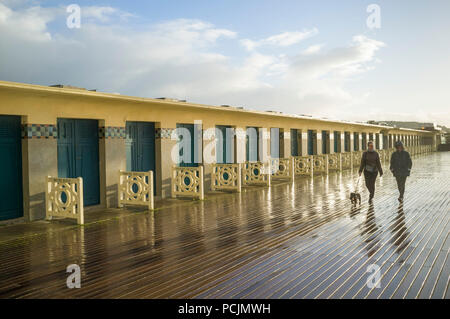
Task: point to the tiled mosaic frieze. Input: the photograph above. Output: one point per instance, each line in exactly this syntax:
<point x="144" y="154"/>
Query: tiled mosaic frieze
<point x="164" y="133"/>
<point x="111" y="132"/>
<point x="39" y="131"/>
<point x="45" y="131"/>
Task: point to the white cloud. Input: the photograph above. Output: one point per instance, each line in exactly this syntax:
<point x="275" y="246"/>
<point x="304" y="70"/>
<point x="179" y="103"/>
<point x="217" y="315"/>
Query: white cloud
<point x="181" y="59"/>
<point x="29" y="24"/>
<point x="104" y="14"/>
<point x="312" y="49"/>
<point x="281" y="40"/>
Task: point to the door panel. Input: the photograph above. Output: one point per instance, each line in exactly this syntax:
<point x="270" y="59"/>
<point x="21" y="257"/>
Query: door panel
<point x="337" y="141"/>
<point x="347" y="142"/>
<point x="294" y="142"/>
<point x="140" y="148"/>
<point x="224" y="144"/>
<point x="78" y="155"/>
<point x="356" y="141"/>
<point x="274" y="142"/>
<point x="324" y="142"/>
<point x="11" y="192"/>
<point x="184" y="143"/>
<point x="311" y="141"/>
<point x="252" y="144"/>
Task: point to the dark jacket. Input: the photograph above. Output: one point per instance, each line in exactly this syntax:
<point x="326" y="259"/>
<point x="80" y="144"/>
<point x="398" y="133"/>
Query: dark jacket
<point x="400" y="163"/>
<point x="371" y="160"/>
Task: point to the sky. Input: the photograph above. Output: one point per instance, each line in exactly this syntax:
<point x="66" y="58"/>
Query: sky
<point x="319" y="58"/>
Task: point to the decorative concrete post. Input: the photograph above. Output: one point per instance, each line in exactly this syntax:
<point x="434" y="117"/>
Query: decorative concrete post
<point x="331" y="142"/>
<point x="167" y="142"/>
<point x="201" y="187"/>
<point x="287" y="142"/>
<point x="264" y="150"/>
<point x="113" y="158"/>
<point x="319" y="142"/>
<point x="360" y="142"/>
<point x="352" y="142"/>
<point x="240" y="144"/>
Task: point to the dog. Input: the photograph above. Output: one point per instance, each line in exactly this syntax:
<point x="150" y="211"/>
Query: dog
<point x="355" y="197"/>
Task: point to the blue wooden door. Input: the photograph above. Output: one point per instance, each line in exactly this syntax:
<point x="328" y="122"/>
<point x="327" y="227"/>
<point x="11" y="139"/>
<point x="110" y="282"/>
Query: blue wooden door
<point x="364" y="141"/>
<point x="324" y="142"/>
<point x="275" y="142"/>
<point x="187" y="143"/>
<point x="11" y="198"/>
<point x="311" y="141"/>
<point x="347" y="142"/>
<point x="356" y="141"/>
<point x="337" y="140"/>
<point x="140" y="148"/>
<point x="252" y="144"/>
<point x="224" y="144"/>
<point x="294" y="142"/>
<point x="78" y="155"/>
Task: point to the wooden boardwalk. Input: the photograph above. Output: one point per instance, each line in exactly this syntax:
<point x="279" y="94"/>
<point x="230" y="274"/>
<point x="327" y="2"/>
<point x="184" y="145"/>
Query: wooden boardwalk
<point x="301" y="240"/>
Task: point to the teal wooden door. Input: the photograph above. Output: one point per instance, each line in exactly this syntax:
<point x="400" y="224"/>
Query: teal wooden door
<point x="294" y="142"/>
<point x="252" y="144"/>
<point x="311" y="141"/>
<point x="11" y="198"/>
<point x="140" y="148"/>
<point x="78" y="155"/>
<point x="355" y="141"/>
<point x="324" y="142"/>
<point x="224" y="144"/>
<point x="187" y="144"/>
<point x="347" y="142"/>
<point x="337" y="140"/>
<point x="275" y="142"/>
<point x="364" y="141"/>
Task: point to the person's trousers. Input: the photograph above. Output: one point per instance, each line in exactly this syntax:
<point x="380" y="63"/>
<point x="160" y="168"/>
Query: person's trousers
<point x="401" y="180"/>
<point x="370" y="179"/>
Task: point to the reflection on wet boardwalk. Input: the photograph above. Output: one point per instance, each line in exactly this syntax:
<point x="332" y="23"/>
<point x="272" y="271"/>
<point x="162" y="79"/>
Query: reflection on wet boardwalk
<point x="290" y="241"/>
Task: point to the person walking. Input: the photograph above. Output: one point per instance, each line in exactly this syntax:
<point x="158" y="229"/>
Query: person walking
<point x="400" y="167"/>
<point x="371" y="165"/>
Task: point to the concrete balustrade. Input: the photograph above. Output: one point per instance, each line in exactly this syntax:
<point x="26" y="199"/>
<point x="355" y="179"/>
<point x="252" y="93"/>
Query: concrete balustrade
<point x="320" y="163"/>
<point x="233" y="176"/>
<point x="256" y="173"/>
<point x="188" y="182"/>
<point x="226" y="177"/>
<point x="356" y="159"/>
<point x="136" y="188"/>
<point x="335" y="161"/>
<point x="346" y="160"/>
<point x="64" y="198"/>
<point x="303" y="165"/>
<point x="282" y="168"/>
